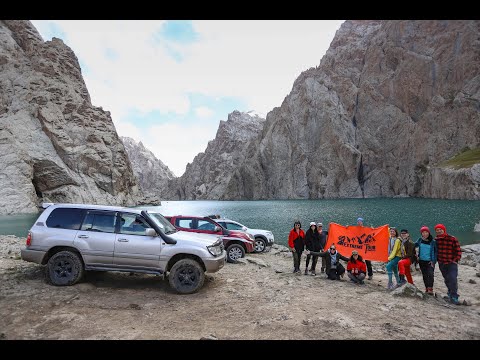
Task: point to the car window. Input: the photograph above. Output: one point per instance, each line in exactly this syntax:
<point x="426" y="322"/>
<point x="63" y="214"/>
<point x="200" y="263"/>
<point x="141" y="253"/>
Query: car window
<point x="232" y="226"/>
<point x="132" y="224"/>
<point x="205" y="225"/>
<point x="99" y="221"/>
<point x="186" y="223"/>
<point x="66" y="218"/>
<point x="222" y="223"/>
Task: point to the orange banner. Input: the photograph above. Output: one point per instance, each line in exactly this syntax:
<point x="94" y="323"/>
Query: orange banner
<point x="371" y="243"/>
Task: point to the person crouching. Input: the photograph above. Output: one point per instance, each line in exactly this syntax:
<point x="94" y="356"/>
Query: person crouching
<point x="356" y="268"/>
<point x="334" y="269"/>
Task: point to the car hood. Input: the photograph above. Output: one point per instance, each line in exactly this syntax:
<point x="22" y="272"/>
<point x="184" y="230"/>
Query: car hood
<point x="202" y="239"/>
<point x="257" y="231"/>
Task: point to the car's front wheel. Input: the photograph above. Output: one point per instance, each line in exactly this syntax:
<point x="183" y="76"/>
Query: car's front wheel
<point x="64" y="268"/>
<point x="235" y="252"/>
<point x="260" y="245"/>
<point x="186" y="276"/>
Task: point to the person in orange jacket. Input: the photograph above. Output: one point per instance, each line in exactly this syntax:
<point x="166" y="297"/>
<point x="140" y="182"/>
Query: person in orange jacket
<point x="296" y="243"/>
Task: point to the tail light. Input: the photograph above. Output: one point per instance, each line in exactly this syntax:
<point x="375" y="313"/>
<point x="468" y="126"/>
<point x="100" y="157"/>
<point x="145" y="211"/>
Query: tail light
<point x="29" y="239"/>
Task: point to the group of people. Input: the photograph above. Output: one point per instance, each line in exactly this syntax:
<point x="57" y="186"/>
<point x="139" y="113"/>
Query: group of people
<point x="402" y="253"/>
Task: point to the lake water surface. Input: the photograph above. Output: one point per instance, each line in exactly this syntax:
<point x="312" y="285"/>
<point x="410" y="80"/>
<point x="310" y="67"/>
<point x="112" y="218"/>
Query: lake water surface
<point x="459" y="216"/>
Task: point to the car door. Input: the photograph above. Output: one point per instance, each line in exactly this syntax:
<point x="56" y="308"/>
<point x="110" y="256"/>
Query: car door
<point x="134" y="249"/>
<point x="96" y="238"/>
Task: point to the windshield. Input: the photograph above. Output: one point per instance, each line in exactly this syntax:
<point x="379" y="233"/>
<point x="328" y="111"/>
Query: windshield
<point x="163" y="223"/>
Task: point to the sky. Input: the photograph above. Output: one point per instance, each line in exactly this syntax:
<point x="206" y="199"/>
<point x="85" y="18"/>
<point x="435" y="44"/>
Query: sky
<point x="169" y="83"/>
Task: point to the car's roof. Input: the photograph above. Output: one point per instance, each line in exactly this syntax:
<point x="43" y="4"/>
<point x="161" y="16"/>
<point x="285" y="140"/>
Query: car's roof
<point x="93" y="206"/>
<point x="228" y="220"/>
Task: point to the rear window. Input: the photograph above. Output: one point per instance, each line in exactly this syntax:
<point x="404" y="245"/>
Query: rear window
<point x="66" y="218"/>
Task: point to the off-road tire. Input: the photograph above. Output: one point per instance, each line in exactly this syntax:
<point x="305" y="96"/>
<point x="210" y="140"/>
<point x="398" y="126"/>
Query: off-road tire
<point x="64" y="268"/>
<point x="186" y="276"/>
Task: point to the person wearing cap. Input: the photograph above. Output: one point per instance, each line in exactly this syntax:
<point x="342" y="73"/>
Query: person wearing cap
<point x="296" y="243"/>
<point x="408" y="257"/>
<point x="334" y="269"/>
<point x="395" y="255"/>
<point x="367" y="262"/>
<point x="322" y="235"/>
<point x="312" y="243"/>
<point x="449" y="254"/>
<point x="356" y="268"/>
<point x="427" y="257"/>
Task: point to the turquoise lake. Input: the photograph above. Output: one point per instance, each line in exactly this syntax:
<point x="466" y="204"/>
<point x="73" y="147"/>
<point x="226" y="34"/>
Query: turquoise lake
<point x="459" y="216"/>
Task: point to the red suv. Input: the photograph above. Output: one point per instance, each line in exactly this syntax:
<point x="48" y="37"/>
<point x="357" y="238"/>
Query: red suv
<point x="236" y="242"/>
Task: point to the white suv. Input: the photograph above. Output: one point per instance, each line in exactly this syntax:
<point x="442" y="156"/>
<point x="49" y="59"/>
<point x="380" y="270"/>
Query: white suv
<point x="263" y="238"/>
<point x="72" y="238"/>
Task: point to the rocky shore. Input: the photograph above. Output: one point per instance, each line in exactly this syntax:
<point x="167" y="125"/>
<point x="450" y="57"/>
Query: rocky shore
<point x="258" y="298"/>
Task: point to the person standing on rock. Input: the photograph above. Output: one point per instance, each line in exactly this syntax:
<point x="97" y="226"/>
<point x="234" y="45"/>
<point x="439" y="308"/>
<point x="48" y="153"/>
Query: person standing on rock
<point x="322" y="235"/>
<point x="356" y="268"/>
<point x="367" y="262"/>
<point x="449" y="254"/>
<point x="334" y="269"/>
<point x="427" y="257"/>
<point x="408" y="257"/>
<point x="395" y="255"/>
<point x="312" y="243"/>
<point x="296" y="243"/>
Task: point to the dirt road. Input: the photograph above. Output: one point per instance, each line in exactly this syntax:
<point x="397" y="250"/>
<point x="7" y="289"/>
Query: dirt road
<point x="242" y="301"/>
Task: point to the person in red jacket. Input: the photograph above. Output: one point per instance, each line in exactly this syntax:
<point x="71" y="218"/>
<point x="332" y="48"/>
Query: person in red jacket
<point x="356" y="268"/>
<point x="296" y="243"/>
<point x="449" y="254"/>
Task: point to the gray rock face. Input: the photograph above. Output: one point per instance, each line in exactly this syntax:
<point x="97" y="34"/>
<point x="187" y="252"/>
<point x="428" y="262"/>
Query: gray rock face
<point x="152" y="174"/>
<point x="389" y="102"/>
<point x="210" y="173"/>
<point x="55" y="146"/>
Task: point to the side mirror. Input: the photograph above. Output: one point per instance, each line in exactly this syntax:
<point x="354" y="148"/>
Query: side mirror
<point x="244" y="228"/>
<point x="217" y="228"/>
<point x="150" y="232"/>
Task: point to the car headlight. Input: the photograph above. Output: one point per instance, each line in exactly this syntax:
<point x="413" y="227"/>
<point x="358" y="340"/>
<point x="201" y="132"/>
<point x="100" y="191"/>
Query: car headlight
<point x="216" y="249"/>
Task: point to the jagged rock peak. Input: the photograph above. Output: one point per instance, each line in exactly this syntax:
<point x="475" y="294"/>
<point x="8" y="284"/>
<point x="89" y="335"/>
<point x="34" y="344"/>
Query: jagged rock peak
<point x="54" y="145"/>
<point x="209" y="174"/>
<point x="151" y="172"/>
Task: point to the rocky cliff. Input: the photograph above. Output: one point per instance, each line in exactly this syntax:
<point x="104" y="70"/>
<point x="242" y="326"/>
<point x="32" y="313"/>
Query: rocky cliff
<point x="209" y="175"/>
<point x="55" y="145"/>
<point x="389" y="103"/>
<point x="152" y="174"/>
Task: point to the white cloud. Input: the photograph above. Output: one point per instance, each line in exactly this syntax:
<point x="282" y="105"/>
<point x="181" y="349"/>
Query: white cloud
<point x="254" y="61"/>
<point x="177" y="144"/>
<point x="204" y="112"/>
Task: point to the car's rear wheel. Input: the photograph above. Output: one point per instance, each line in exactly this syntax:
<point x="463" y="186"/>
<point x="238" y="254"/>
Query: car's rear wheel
<point x="64" y="268"/>
<point x="235" y="252"/>
<point x="186" y="276"/>
<point x="260" y="245"/>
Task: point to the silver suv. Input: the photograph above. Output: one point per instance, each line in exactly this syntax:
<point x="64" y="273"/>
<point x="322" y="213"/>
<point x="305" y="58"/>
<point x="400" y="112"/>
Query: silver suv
<point x="73" y="238"/>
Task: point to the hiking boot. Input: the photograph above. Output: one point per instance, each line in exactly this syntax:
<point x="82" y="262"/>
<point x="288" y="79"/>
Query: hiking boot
<point x="390" y="286"/>
<point x="370" y="277"/>
<point x="454" y="300"/>
<point x="322" y="270"/>
<point x="429" y="291"/>
<point x="313" y="273"/>
<point x="361" y="282"/>
<point x="306" y="271"/>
